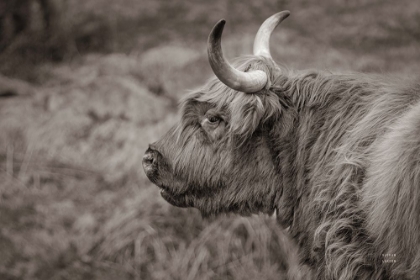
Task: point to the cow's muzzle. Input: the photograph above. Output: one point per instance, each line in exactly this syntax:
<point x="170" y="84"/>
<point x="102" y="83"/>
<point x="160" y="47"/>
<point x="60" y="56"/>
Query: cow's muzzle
<point x="150" y="164"/>
<point x="151" y="160"/>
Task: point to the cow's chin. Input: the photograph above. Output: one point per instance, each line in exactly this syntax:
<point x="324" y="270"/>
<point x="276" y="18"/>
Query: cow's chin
<point x="176" y="200"/>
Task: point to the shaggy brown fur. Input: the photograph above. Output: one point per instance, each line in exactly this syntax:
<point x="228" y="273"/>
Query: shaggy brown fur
<point x="337" y="156"/>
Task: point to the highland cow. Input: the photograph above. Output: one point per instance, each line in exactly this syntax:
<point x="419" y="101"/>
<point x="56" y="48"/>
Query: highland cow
<point x="336" y="156"/>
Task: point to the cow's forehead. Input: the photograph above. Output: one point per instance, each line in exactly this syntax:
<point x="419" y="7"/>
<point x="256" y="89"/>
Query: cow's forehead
<point x="213" y="95"/>
<point x="195" y="107"/>
<point x="227" y="101"/>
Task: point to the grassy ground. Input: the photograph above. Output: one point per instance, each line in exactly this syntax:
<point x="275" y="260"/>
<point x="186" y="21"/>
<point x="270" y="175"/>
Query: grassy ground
<point x="74" y="201"/>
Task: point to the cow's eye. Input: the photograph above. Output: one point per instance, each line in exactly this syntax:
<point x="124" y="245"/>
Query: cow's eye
<point x="213" y="125"/>
<point x="213" y="119"/>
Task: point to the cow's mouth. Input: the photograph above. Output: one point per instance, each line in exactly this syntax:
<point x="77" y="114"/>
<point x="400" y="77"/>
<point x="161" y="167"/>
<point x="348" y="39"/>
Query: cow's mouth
<point x="179" y="200"/>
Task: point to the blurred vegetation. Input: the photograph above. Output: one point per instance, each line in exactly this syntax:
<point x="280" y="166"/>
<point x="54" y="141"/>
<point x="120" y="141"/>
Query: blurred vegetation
<point x="81" y="100"/>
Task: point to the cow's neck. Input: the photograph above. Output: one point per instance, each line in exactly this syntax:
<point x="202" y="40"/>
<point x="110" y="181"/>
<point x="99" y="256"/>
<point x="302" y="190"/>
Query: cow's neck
<point x="303" y="142"/>
<point x="318" y="156"/>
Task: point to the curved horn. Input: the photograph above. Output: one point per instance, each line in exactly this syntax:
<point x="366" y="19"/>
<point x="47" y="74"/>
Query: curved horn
<point x="249" y="82"/>
<point x="262" y="39"/>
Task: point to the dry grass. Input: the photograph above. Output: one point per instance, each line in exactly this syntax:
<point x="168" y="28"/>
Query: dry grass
<point x="154" y="241"/>
<point x="74" y="202"/>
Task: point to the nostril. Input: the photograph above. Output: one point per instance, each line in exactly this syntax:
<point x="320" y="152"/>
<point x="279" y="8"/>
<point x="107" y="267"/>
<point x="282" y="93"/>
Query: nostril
<point x="148" y="159"/>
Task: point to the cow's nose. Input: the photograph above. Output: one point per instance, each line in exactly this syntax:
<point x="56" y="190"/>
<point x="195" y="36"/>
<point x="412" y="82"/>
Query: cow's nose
<point x="149" y="160"/>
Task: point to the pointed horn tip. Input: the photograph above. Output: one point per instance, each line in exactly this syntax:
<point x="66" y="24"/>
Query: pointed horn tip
<point x="221" y="23"/>
<point x="217" y="30"/>
<point x="284" y="14"/>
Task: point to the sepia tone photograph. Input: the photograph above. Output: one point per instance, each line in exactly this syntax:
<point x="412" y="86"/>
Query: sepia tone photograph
<point x="211" y="140"/>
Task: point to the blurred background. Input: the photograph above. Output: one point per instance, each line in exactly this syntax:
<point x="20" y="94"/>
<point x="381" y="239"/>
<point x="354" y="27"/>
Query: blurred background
<point x="86" y="85"/>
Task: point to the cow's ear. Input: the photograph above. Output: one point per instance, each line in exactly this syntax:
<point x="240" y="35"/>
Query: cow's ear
<point x="250" y="112"/>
